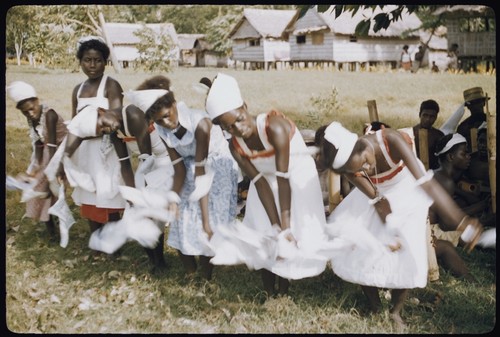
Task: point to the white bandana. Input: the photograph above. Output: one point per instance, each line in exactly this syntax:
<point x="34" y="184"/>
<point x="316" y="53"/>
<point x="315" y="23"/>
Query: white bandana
<point x="20" y="90"/>
<point x="88" y="38"/>
<point x="455" y="139"/>
<point x="343" y="140"/>
<point x="224" y="95"/>
<point x="144" y="99"/>
<point x="84" y="123"/>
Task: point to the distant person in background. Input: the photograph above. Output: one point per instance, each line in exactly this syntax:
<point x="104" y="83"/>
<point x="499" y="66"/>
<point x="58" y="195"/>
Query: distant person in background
<point x="453" y="64"/>
<point x="96" y="155"/>
<point x="475" y="101"/>
<point x="419" y="57"/>
<point x="428" y="113"/>
<point x="47" y="131"/>
<point x="434" y="68"/>
<point x="405" y="58"/>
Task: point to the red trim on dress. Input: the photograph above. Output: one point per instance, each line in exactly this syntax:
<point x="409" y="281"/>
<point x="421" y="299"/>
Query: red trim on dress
<point x="98" y="214"/>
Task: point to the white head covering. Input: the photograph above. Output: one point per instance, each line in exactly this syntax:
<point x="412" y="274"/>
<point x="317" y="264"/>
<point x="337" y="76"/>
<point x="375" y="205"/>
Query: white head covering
<point x="454" y="140"/>
<point x="88" y="38"/>
<point x="224" y="95"/>
<point x="343" y="140"/>
<point x="19" y="90"/>
<point x="144" y="99"/>
<point x="84" y="123"/>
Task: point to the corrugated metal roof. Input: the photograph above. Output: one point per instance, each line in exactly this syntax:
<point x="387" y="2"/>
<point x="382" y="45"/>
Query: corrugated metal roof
<point x="123" y="33"/>
<point x="269" y="23"/>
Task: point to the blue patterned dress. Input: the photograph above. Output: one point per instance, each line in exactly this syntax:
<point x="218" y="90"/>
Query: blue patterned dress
<point x="186" y="233"/>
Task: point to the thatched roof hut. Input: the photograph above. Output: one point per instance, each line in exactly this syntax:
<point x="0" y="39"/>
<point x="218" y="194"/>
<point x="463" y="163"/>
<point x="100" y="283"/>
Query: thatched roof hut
<point x="124" y="40"/>
<point x="260" y="36"/>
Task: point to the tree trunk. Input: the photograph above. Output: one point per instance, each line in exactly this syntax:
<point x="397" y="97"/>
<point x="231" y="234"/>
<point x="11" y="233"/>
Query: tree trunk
<point x="114" y="60"/>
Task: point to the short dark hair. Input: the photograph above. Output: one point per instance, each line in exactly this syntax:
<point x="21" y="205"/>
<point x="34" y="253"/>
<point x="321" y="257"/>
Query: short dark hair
<point x="430" y="104"/>
<point x="93" y="44"/>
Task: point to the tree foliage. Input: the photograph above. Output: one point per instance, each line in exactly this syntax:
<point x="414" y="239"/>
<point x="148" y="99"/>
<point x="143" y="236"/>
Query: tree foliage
<point x="381" y="20"/>
<point x="156" y="50"/>
<point x="49" y="33"/>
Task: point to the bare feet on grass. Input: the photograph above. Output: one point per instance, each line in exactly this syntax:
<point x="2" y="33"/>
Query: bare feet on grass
<point x="398" y="321"/>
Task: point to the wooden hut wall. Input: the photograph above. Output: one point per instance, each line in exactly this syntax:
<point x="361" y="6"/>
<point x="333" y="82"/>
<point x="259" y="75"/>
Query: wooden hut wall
<point x="370" y="49"/>
<point x="310" y="52"/>
<point x="471" y="43"/>
<point x="276" y="50"/>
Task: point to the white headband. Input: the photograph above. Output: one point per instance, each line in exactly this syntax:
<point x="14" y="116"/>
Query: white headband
<point x="84" y="123"/>
<point x="343" y="140"/>
<point x="455" y="139"/>
<point x="20" y="90"/>
<point x="88" y="38"/>
<point x="144" y="99"/>
<point x="224" y="95"/>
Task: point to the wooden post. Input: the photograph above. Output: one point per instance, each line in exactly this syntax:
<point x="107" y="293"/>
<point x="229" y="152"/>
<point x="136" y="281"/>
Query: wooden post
<point x="114" y="60"/>
<point x="372" y="110"/>
<point x="491" y="142"/>
<point x="423" y="146"/>
<point x="333" y="190"/>
<point x="473" y="140"/>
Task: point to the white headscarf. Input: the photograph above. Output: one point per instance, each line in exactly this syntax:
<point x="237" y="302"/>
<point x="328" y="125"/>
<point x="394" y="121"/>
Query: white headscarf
<point x="19" y="90"/>
<point x="454" y="140"/>
<point x="343" y="140"/>
<point x="224" y="95"/>
<point x="84" y="123"/>
<point x="144" y="99"/>
<point x="88" y="38"/>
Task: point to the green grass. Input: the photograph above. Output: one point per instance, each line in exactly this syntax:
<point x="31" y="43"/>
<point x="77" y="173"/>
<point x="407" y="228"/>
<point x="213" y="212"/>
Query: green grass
<point x="50" y="289"/>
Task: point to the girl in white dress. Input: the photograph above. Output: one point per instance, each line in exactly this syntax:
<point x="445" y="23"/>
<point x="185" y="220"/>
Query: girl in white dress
<point x="142" y="139"/>
<point x="202" y="162"/>
<point x="97" y="155"/>
<point x="47" y="131"/>
<point x="384" y="218"/>
<point x="284" y="206"/>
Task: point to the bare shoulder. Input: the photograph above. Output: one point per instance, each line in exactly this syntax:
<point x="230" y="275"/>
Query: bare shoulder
<point x="112" y="83"/>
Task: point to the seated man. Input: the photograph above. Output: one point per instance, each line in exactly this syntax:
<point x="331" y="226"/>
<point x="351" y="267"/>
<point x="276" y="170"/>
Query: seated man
<point x="476" y="179"/>
<point x="428" y="114"/>
<point x="454" y="159"/>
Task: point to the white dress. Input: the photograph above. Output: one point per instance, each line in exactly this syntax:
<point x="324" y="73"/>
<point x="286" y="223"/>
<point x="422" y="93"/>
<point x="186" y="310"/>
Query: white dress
<point x="186" y="234"/>
<point x="156" y="171"/>
<point x="367" y="259"/>
<point x="98" y="158"/>
<point x="258" y="243"/>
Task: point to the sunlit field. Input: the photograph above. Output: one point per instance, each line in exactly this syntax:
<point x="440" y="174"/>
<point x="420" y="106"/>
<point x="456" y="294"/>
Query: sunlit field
<point x="50" y="289"/>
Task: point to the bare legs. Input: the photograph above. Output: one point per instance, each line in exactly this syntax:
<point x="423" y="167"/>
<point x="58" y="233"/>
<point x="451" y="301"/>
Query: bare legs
<point x="190" y="265"/>
<point x="269" y="280"/>
<point x="51" y="227"/>
<point x="156" y="255"/>
<point x="398" y="297"/>
<point x="451" y="260"/>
